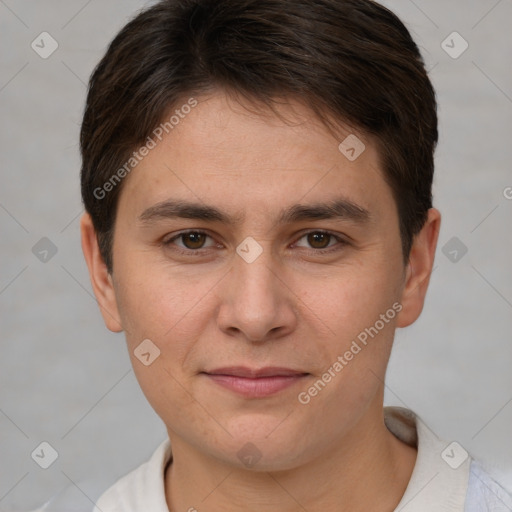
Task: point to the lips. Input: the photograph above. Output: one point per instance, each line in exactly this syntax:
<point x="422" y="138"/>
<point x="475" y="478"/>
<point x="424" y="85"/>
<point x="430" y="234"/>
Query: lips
<point x="250" y="373"/>
<point x="255" y="383"/>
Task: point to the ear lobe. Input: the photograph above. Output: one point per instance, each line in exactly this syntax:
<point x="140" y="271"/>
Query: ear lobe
<point x="419" y="269"/>
<point x="101" y="280"/>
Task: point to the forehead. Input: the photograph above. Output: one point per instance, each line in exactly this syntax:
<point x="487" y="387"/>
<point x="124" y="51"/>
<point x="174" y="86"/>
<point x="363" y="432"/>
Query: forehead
<point x="222" y="150"/>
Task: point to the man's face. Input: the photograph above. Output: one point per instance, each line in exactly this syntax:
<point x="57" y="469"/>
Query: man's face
<point x="320" y="280"/>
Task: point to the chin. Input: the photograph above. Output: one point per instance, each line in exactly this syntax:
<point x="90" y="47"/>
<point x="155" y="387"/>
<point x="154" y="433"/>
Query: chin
<point x="262" y="443"/>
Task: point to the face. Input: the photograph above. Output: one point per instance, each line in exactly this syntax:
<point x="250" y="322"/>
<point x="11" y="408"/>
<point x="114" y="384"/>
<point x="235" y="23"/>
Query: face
<point x="243" y="243"/>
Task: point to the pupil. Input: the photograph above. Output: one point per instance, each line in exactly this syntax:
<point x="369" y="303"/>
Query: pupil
<point x="318" y="240"/>
<point x="193" y="240"/>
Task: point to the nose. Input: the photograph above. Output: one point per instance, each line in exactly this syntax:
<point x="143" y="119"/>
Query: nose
<point x="256" y="303"/>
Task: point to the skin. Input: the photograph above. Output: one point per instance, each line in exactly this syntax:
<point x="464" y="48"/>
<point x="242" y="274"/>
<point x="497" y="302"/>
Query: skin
<point x="293" y="307"/>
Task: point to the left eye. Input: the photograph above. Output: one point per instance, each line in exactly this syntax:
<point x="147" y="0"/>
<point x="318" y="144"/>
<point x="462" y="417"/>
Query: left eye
<point x="318" y="240"/>
<point x="191" y="240"/>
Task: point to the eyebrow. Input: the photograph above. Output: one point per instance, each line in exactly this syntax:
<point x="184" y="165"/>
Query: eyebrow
<point x="340" y="208"/>
<point x="337" y="209"/>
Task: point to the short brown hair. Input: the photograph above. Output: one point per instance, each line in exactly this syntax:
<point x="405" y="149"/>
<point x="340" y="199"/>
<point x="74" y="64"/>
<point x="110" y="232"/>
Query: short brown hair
<point x="353" y="60"/>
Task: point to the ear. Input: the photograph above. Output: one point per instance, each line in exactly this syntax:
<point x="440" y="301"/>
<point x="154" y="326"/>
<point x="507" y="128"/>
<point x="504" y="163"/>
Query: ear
<point x="419" y="269"/>
<point x="101" y="280"/>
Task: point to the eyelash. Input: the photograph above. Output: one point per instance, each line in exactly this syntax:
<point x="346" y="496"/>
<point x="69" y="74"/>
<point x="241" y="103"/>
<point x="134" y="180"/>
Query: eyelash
<point x="336" y="247"/>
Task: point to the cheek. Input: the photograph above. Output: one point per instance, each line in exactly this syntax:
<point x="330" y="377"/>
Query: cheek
<point x="358" y="350"/>
<point x="155" y="300"/>
<point x="172" y="312"/>
<point x="350" y="300"/>
<point x="360" y="309"/>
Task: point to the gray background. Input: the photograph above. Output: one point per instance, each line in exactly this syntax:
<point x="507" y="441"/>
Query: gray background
<point x="66" y="380"/>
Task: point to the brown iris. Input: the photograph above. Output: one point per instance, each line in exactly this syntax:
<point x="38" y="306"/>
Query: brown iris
<point x="193" y="240"/>
<point x="319" y="240"/>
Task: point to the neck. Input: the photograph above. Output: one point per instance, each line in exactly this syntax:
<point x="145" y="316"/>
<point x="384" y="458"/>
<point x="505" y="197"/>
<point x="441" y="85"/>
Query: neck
<point x="368" y="469"/>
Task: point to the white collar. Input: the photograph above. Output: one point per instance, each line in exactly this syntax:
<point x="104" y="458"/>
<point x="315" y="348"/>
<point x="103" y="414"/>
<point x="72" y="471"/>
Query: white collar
<point x="440" y="477"/>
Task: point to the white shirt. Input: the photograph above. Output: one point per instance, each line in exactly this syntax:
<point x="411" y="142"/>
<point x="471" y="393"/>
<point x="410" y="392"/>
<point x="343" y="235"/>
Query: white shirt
<point x="444" y="478"/>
